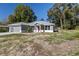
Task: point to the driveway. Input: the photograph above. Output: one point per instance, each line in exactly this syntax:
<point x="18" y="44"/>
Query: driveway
<point x="7" y="33"/>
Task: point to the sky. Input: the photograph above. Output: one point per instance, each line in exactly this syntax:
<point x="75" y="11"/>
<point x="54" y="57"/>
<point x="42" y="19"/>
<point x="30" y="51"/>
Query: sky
<point x="40" y="9"/>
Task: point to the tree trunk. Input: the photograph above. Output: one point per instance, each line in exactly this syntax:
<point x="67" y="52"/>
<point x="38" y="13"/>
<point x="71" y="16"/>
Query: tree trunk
<point x="61" y="24"/>
<point x="64" y="19"/>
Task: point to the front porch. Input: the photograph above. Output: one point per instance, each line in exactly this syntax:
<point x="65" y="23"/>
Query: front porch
<point x="43" y="28"/>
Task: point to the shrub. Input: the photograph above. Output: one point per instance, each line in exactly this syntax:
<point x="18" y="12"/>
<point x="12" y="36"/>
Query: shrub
<point x="3" y="29"/>
<point x="77" y="28"/>
<point x="76" y="35"/>
<point x="29" y="29"/>
<point x="76" y="54"/>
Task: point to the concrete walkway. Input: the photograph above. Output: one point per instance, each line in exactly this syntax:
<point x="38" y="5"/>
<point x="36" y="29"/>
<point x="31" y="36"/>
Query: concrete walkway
<point x="7" y="33"/>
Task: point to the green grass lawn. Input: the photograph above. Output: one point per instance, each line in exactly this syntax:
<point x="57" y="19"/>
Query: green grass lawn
<point x="58" y="43"/>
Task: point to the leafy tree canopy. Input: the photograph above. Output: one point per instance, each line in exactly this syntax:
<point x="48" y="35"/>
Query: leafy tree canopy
<point x="22" y="13"/>
<point x="64" y="15"/>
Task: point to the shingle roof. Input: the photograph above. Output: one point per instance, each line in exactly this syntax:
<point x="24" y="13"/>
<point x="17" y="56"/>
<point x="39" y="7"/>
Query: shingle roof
<point x="19" y="23"/>
<point x="3" y="26"/>
<point x="33" y="23"/>
<point x="41" y="23"/>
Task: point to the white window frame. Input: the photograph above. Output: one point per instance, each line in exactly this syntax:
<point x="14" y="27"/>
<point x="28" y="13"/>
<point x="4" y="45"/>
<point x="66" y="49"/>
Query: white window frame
<point x="47" y="27"/>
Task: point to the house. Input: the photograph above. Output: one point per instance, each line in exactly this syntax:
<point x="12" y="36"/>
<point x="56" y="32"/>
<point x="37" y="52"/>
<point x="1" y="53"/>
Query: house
<point x="36" y="26"/>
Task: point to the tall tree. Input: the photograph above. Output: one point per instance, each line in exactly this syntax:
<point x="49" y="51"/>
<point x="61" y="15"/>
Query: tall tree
<point x="63" y="14"/>
<point x="22" y="13"/>
<point x="77" y="14"/>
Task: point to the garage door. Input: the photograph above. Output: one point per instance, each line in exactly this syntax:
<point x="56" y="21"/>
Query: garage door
<point x="15" y="29"/>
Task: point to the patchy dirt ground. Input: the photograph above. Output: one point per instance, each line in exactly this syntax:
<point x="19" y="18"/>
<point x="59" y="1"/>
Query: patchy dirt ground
<point x="39" y="44"/>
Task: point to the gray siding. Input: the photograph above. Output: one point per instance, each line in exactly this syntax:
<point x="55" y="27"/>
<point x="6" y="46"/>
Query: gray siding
<point x="51" y="27"/>
<point x="15" y="29"/>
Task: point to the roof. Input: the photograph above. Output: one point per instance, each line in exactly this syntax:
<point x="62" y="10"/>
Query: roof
<point x="40" y="23"/>
<point x="33" y="23"/>
<point x="3" y="25"/>
<point x="19" y="23"/>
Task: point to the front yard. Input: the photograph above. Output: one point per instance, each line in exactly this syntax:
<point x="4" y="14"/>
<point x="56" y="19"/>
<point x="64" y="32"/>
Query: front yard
<point x="58" y="43"/>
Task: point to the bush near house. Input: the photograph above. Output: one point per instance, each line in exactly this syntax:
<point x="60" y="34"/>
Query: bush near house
<point x="29" y="29"/>
<point x="3" y="29"/>
<point x="77" y="28"/>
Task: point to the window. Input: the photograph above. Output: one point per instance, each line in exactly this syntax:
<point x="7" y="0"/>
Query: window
<point x="23" y="27"/>
<point x="12" y="29"/>
<point x="47" y="27"/>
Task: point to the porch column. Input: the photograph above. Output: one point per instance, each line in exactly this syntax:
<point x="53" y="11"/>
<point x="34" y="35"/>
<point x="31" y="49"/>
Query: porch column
<point x="35" y="28"/>
<point x="44" y="29"/>
<point x="39" y="27"/>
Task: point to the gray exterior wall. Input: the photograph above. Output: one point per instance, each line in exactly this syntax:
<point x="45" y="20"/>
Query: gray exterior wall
<point x="18" y="28"/>
<point x="14" y="28"/>
<point x="23" y="27"/>
<point x="51" y="28"/>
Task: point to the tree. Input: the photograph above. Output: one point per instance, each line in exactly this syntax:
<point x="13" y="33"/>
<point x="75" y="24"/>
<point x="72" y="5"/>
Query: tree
<point x="55" y="15"/>
<point x="22" y="13"/>
<point x="63" y="15"/>
<point x="77" y="13"/>
<point x="11" y="19"/>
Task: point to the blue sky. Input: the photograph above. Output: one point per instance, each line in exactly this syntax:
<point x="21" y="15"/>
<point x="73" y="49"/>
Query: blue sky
<point x="40" y="9"/>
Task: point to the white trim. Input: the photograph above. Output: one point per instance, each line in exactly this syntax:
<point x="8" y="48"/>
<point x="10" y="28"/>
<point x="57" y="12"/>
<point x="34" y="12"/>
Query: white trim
<point x="42" y="31"/>
<point x="48" y="30"/>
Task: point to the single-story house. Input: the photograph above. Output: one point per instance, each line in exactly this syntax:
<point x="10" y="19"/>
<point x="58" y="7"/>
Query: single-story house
<point x="37" y="26"/>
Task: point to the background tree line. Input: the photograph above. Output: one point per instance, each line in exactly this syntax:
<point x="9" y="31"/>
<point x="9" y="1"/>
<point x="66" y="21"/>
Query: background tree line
<point x="64" y="15"/>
